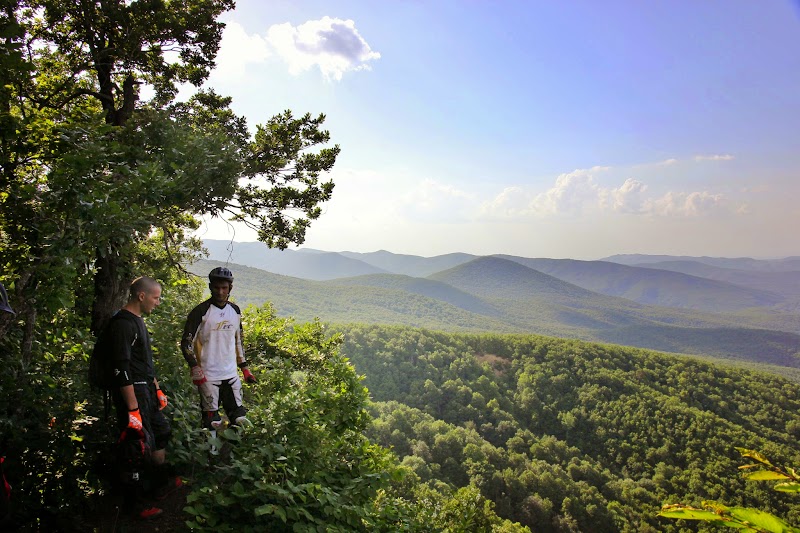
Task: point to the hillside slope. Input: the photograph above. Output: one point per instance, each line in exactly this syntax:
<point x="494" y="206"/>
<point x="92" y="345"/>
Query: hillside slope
<point x="299" y="264"/>
<point x="494" y="294"/>
<point x="572" y="436"/>
<point x="652" y="286"/>
<point x="410" y="265"/>
<point x="307" y="300"/>
<point x="425" y="287"/>
<point x="785" y="264"/>
<point x="786" y="283"/>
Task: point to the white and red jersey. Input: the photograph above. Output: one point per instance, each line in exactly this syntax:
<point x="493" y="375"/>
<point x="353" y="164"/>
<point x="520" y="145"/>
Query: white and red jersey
<point x="212" y="338"/>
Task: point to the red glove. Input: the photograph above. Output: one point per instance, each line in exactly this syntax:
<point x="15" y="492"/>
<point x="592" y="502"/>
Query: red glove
<point x="198" y="376"/>
<point x="162" y="399"/>
<point x="248" y="376"/>
<point x="134" y="424"/>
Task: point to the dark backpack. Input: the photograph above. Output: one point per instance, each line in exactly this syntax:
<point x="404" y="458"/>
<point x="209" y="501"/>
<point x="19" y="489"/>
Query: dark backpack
<point x="101" y="361"/>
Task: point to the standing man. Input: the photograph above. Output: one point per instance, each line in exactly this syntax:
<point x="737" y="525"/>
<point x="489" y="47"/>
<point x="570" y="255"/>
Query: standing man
<point x="139" y="401"/>
<point x="213" y="349"/>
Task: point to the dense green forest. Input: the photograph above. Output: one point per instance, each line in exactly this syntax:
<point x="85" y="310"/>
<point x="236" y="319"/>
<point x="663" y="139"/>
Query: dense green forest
<point x="569" y="436"/>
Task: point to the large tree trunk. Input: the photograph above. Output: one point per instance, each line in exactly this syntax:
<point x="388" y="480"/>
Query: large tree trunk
<point x="109" y="290"/>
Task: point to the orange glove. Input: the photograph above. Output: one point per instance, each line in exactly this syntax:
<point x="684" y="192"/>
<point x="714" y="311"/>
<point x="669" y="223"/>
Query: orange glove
<point x="135" y="423"/>
<point x="162" y="399"/>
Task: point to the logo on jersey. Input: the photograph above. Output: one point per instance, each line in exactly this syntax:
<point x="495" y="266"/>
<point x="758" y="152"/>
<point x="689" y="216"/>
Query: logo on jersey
<point x="224" y="325"/>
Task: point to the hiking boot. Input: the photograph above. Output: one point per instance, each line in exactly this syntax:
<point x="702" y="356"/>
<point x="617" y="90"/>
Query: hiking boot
<point x="173" y="484"/>
<point x="148" y="513"/>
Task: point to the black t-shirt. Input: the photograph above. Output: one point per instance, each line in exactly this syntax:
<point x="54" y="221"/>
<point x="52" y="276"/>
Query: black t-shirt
<point x="130" y="344"/>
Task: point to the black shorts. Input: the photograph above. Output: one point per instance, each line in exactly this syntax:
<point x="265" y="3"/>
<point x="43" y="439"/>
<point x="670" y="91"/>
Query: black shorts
<point x="156" y="426"/>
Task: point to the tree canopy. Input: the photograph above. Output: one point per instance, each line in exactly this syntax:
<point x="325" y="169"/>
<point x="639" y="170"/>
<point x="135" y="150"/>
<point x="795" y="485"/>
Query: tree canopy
<point x="92" y="172"/>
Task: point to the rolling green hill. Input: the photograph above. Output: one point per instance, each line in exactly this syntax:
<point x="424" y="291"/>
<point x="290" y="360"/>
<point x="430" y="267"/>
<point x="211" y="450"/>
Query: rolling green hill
<point x="410" y="265"/>
<point x="653" y="286"/>
<point x="304" y="264"/>
<point x="494" y="294"/>
<point x="425" y="287"/>
<point x="306" y="300"/>
<point x="783" y="282"/>
<point x="762" y="294"/>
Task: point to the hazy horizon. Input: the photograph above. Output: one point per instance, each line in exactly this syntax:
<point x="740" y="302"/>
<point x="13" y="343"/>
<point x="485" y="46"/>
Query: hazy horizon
<point x="310" y="249"/>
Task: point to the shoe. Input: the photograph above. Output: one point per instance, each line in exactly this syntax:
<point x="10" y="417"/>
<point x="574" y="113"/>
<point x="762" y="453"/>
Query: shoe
<point x="173" y="484"/>
<point x="149" y="513"/>
<point x="213" y="449"/>
<point x="243" y="422"/>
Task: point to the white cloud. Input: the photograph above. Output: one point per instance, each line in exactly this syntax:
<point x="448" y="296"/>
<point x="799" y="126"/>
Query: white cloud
<point x="512" y="202"/>
<point x="238" y="50"/>
<point x="627" y="198"/>
<point x="713" y="157"/>
<point x="571" y="192"/>
<point x="334" y="45"/>
<point x="578" y="193"/>
<point x="684" y="204"/>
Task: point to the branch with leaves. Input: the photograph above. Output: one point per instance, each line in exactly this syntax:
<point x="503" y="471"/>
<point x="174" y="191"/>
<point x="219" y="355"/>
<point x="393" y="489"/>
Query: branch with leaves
<point x="744" y="518"/>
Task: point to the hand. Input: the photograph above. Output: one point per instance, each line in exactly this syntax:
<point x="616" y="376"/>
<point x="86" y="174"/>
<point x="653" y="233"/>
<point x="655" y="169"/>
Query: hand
<point x="134" y="424"/>
<point x="162" y="399"/>
<point x="248" y="376"/>
<point x="198" y="376"/>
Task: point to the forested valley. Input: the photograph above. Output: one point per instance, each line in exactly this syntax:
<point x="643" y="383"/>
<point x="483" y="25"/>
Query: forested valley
<point x="570" y="436"/>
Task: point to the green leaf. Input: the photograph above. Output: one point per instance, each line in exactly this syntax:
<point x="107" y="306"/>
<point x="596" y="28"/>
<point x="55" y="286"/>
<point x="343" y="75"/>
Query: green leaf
<point x="689" y="513"/>
<point x="760" y="519"/>
<point x="753" y="454"/>
<point x="789" y="486"/>
<point x="265" y="509"/>
<point x="765" y="475"/>
<point x="232" y="434"/>
<point x="238" y="489"/>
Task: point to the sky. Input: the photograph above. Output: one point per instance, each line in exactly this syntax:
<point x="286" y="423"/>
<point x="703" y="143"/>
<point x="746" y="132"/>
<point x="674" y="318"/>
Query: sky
<point x="564" y="129"/>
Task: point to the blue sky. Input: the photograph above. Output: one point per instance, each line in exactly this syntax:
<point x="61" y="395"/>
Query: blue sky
<point x="573" y="129"/>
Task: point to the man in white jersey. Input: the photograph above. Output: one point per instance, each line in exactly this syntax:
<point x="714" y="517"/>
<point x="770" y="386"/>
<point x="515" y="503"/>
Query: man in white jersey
<point x="212" y="346"/>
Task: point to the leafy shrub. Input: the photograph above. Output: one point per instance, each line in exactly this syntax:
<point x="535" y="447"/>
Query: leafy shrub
<point x="305" y="464"/>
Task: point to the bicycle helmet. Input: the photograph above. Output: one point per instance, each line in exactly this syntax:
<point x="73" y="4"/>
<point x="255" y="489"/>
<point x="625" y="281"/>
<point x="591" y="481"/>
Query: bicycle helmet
<point x="221" y="273"/>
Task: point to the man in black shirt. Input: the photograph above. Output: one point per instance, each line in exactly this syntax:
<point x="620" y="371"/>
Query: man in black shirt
<point x="138" y="400"/>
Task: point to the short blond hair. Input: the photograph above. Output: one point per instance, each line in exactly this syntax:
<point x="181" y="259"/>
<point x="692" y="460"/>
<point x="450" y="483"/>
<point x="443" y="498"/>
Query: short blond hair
<point x="144" y="284"/>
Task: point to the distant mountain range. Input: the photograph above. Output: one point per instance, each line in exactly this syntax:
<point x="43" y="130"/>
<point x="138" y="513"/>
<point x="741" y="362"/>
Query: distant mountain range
<point x="750" y="312"/>
<point x="699" y="283"/>
<point x="786" y="264"/>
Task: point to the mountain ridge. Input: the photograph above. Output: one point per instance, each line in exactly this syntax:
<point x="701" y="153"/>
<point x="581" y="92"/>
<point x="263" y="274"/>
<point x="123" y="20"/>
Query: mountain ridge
<point x="698" y="288"/>
<point x="494" y="294"/>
